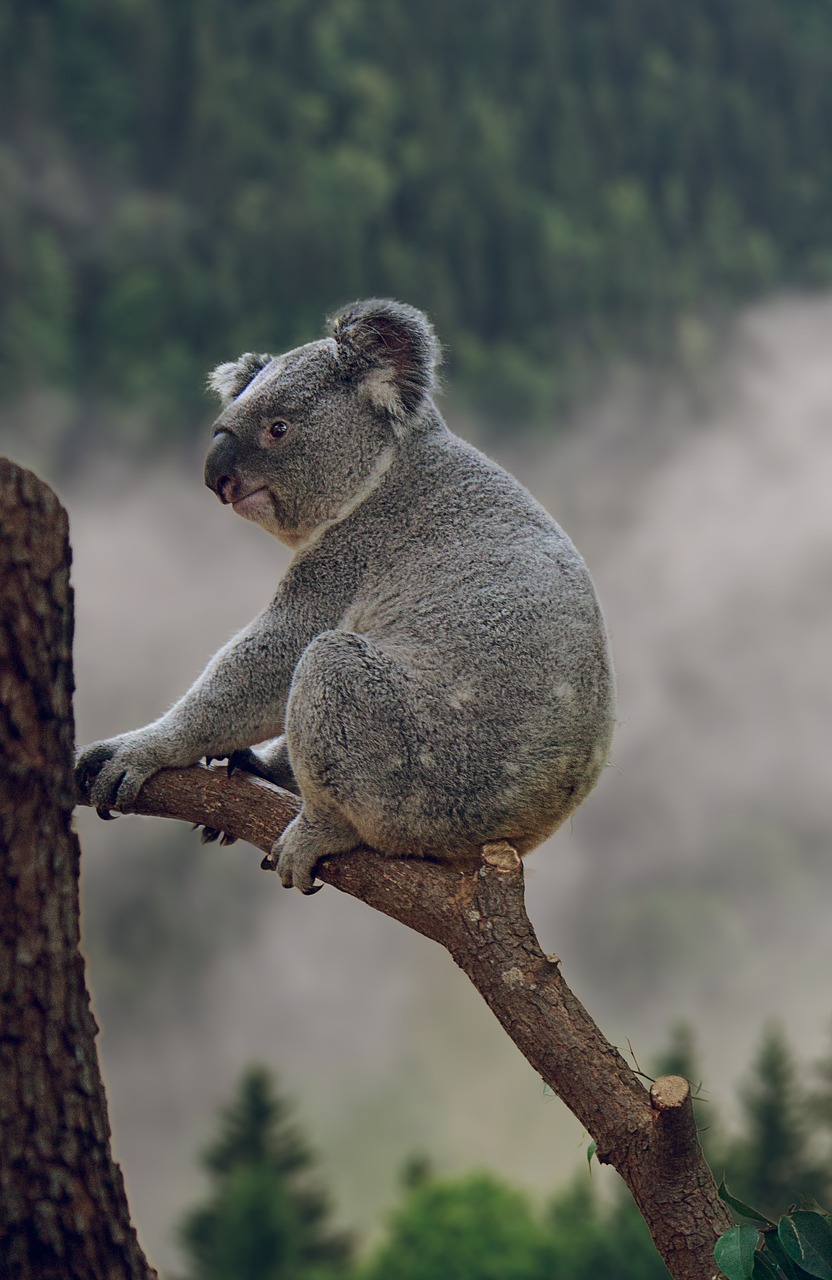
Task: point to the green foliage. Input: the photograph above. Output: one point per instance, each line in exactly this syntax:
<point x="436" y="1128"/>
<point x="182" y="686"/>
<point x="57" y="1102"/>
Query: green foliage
<point x="734" y="1252"/>
<point x="264" y="1218"/>
<point x="478" y="1228"/>
<point x="799" y="1245"/>
<point x="472" y="1228"/>
<point x="552" y="181"/>
<point x="806" y="1237"/>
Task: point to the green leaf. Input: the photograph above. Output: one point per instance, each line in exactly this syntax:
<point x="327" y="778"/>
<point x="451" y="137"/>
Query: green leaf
<point x="734" y="1252"/>
<point x="737" y="1205"/>
<point x="807" y="1239"/>
<point x="776" y="1254"/>
<point x="763" y="1270"/>
<point x="590" y="1152"/>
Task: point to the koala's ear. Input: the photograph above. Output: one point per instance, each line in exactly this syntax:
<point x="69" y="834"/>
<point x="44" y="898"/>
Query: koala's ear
<point x="228" y="380"/>
<point x="391" y="350"/>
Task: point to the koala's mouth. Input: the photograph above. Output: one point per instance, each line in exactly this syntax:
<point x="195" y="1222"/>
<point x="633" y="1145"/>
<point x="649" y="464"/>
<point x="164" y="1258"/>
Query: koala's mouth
<point x="254" y="505"/>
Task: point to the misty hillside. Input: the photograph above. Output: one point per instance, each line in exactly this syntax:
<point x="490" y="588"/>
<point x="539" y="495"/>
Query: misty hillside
<point x="695" y="882"/>
<point x="551" y="181"/>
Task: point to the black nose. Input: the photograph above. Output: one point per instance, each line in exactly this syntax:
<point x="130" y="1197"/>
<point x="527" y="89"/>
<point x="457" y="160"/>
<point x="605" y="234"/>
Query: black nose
<point x="221" y="465"/>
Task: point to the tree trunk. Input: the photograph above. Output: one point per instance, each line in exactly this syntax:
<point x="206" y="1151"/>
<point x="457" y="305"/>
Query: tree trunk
<point x="63" y="1210"/>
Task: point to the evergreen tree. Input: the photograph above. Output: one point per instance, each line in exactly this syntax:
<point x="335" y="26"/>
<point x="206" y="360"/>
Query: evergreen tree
<point x="772" y="1166"/>
<point x="264" y="1218"/>
<point x="820" y="1112"/>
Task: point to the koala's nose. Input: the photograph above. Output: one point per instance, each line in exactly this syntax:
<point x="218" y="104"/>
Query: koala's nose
<point x="220" y="467"/>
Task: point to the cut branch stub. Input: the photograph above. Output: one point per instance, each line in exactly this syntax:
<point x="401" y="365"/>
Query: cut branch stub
<point x="674" y="1123"/>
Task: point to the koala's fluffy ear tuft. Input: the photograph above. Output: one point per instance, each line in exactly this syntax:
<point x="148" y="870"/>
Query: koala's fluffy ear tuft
<point x="390" y="349"/>
<point x="228" y="380"/>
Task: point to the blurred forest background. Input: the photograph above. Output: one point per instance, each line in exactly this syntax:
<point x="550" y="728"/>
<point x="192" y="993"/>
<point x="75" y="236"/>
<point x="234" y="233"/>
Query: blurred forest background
<point x="619" y="215"/>
<point x="553" y="181"/>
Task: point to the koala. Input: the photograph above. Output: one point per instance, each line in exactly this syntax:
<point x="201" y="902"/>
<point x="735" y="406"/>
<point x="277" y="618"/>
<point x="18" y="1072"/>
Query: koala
<point x="433" y="673"/>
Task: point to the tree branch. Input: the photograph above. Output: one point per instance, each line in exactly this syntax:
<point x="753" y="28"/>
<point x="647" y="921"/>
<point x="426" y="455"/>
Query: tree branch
<point x="477" y="912"/>
<point x="63" y="1212"/>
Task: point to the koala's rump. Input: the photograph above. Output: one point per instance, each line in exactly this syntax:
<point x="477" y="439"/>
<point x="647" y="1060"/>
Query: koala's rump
<point x="475" y="706"/>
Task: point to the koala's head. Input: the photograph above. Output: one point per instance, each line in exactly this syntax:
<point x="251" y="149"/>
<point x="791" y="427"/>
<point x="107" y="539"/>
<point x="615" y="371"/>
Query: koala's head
<point x="304" y="437"/>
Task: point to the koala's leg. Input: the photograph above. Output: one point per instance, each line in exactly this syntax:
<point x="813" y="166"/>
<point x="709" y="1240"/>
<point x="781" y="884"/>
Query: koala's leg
<point x="355" y="725"/>
<point x="271" y="761"/>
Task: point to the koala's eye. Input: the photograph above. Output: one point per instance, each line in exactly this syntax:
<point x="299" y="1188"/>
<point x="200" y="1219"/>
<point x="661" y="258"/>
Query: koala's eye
<point x="278" y="429"/>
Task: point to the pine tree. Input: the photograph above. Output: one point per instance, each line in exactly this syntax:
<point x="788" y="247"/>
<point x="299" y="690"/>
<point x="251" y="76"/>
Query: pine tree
<point x="265" y="1218"/>
<point x="772" y="1167"/>
<point x="820" y="1111"/>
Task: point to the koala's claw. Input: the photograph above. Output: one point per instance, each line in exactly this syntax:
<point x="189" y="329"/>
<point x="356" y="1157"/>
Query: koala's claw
<point x="297" y="873"/>
<point x="88" y="766"/>
<point x="208" y="835"/>
<point x="106" y="814"/>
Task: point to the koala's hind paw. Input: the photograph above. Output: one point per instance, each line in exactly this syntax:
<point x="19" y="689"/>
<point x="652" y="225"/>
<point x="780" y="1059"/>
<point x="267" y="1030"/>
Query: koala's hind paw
<point x="274" y="767"/>
<point x="294" y="858"/>
<point x="296" y="853"/>
<point x="295" y="866"/>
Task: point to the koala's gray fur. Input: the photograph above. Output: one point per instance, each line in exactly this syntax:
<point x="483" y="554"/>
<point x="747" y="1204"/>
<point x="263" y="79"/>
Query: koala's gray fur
<point x="435" y="660"/>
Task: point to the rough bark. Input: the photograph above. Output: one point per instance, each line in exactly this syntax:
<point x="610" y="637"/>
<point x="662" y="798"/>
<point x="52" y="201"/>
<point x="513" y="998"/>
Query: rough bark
<point x="477" y="912"/>
<point x="63" y="1211"/>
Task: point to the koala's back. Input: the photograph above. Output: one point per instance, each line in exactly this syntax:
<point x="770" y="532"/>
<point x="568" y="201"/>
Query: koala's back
<point x="480" y="595"/>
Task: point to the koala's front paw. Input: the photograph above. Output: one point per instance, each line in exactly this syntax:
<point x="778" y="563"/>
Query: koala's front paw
<point x="111" y="774"/>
